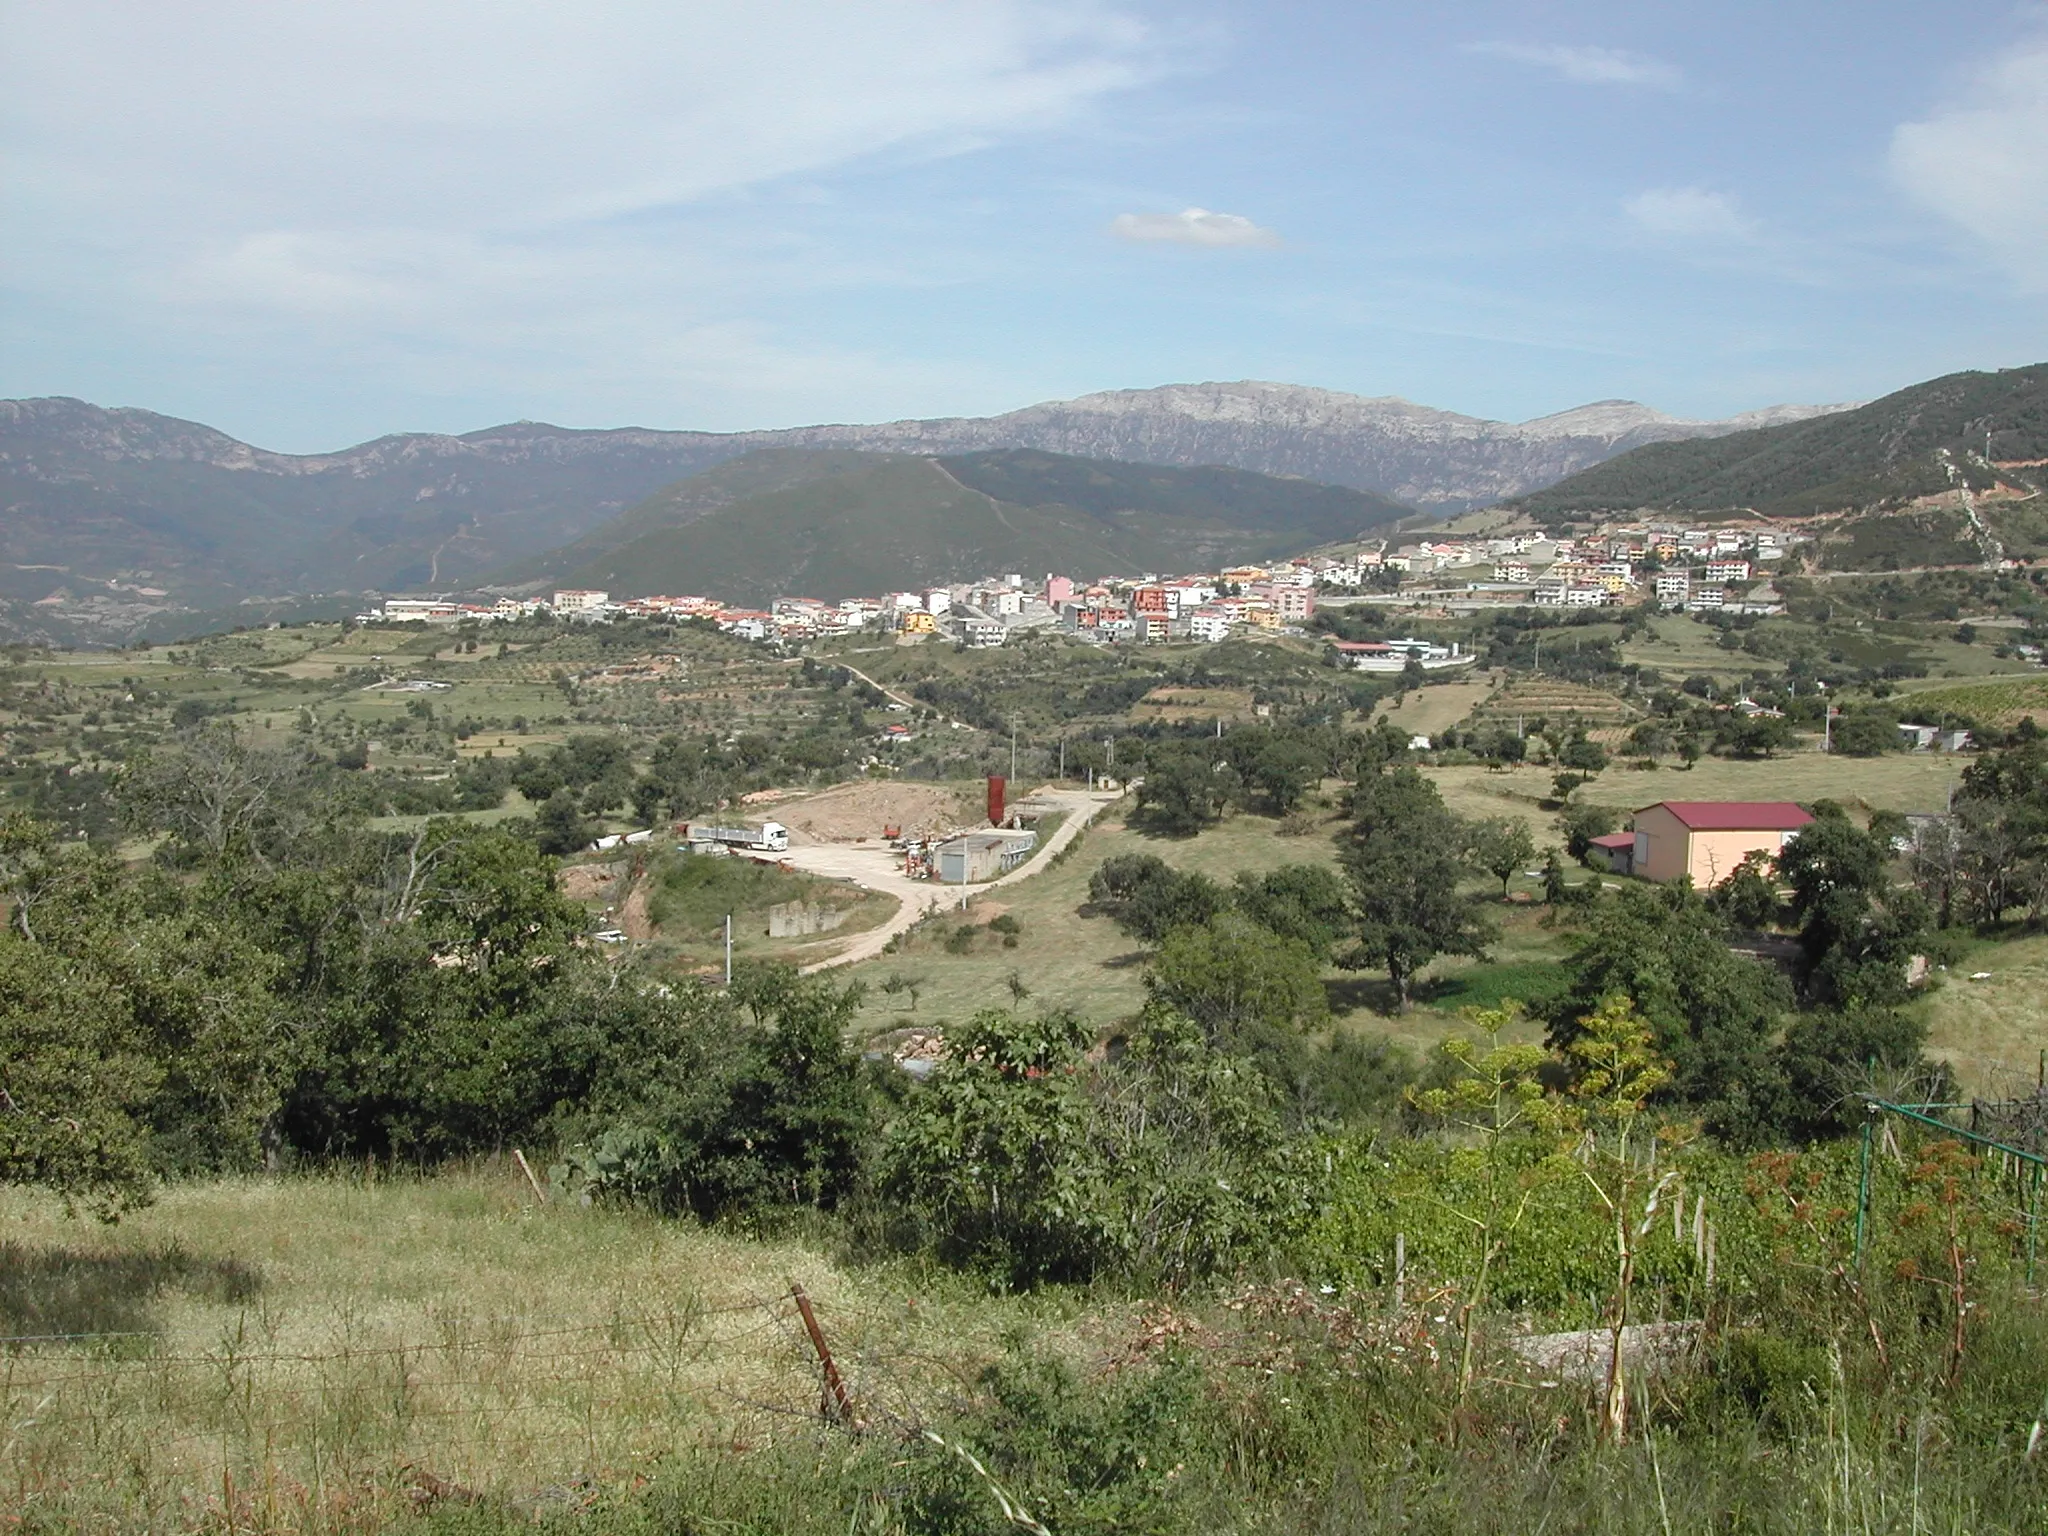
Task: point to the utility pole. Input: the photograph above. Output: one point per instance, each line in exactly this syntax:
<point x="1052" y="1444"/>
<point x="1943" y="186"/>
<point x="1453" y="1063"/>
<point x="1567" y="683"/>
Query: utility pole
<point x="728" y="949"/>
<point x="1013" y="749"/>
<point x="1063" y="759"/>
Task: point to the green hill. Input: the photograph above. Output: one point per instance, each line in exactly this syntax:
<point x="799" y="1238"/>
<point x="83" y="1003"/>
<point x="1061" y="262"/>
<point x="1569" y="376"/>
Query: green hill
<point x="674" y="506"/>
<point x="1916" y="442"/>
<point x="871" y="523"/>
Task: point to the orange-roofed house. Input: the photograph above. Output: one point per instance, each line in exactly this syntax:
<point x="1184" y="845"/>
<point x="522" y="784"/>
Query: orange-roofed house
<point x="1708" y="839"/>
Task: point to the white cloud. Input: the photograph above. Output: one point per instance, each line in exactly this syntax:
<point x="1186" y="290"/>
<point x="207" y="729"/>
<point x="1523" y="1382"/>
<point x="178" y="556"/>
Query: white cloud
<point x="1981" y="162"/>
<point x="1690" y="213"/>
<point x="1584" y="64"/>
<point x="496" y="185"/>
<point x="1192" y="226"/>
<point x="522" y="112"/>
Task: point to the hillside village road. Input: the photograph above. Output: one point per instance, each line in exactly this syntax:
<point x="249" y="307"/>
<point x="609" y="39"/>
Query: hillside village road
<point x="876" y="867"/>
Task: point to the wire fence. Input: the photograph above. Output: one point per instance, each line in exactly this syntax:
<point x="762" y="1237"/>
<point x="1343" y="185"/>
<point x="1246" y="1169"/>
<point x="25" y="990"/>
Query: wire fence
<point x="494" y="1402"/>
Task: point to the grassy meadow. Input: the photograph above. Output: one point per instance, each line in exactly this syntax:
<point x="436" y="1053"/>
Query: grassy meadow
<point x="268" y="1355"/>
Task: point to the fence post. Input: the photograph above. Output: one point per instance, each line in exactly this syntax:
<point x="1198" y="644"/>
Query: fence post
<point x="834" y="1401"/>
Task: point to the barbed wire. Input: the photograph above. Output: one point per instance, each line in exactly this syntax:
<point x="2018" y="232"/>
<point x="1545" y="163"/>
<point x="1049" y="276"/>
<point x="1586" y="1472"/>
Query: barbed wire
<point x="685" y="1315"/>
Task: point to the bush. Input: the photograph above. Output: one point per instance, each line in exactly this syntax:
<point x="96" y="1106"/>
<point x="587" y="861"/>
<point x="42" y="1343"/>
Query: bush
<point x="755" y="1103"/>
<point x="1026" y="1162"/>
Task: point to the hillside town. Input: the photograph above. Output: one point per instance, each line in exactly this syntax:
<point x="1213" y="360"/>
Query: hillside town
<point x="1725" y="570"/>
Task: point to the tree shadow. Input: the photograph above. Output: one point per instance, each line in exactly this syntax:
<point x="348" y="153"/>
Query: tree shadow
<point x="1128" y="961"/>
<point x="73" y="1292"/>
<point x="1346" y="994"/>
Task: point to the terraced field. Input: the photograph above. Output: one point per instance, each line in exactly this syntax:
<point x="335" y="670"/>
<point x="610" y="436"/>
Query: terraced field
<point x="2003" y="703"/>
<point x="1530" y="698"/>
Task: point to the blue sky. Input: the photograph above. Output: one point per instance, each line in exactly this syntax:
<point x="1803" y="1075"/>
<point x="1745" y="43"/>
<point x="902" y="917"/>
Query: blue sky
<point x="314" y="223"/>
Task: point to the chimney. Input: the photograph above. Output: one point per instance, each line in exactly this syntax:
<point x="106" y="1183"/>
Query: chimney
<point x="995" y="799"/>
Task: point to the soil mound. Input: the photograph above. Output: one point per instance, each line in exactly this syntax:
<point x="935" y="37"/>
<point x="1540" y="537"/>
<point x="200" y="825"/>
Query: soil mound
<point x="847" y="813"/>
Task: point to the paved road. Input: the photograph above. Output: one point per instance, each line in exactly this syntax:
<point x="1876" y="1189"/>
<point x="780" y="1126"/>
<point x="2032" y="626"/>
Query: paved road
<point x="875" y="866"/>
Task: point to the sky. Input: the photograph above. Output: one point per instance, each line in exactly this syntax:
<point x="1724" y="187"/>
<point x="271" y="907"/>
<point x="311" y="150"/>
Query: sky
<point x="312" y="223"/>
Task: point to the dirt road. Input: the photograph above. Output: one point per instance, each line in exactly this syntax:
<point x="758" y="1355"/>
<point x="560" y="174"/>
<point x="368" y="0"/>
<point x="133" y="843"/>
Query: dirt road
<point x="874" y="866"/>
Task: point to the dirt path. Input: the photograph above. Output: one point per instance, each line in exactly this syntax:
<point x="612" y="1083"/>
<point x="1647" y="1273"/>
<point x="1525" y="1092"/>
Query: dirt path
<point x="901" y="698"/>
<point x="877" y="869"/>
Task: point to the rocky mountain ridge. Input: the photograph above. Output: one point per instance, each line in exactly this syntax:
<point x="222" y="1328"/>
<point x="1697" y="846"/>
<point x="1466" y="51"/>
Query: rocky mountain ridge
<point x="127" y="500"/>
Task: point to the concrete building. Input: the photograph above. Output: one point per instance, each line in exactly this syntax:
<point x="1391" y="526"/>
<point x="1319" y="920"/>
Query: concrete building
<point x="973" y="857"/>
<point x="578" y="601"/>
<point x="1708" y="839"/>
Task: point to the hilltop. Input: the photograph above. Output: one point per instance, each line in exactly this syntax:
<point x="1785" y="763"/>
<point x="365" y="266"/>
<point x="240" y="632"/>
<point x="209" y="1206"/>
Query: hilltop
<point x="1969" y="430"/>
<point x="847" y="524"/>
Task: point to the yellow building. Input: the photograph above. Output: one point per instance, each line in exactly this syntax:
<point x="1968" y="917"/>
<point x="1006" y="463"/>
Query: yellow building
<point x="918" y="622"/>
<point x="1707" y="839"/>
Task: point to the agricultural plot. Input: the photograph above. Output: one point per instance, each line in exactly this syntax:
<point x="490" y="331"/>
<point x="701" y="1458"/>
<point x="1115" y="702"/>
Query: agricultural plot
<point x="2003" y="703"/>
<point x="1528" y="699"/>
<point x="1682" y="646"/>
<point x="1231" y="705"/>
<point x="1909" y="782"/>
<point x="1436" y="707"/>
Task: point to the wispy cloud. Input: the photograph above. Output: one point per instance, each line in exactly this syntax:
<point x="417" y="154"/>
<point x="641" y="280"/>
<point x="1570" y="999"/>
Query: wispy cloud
<point x="1980" y="161"/>
<point x="1585" y="64"/>
<point x="1690" y="213"/>
<point x="387" y="168"/>
<point x="1193" y="226"/>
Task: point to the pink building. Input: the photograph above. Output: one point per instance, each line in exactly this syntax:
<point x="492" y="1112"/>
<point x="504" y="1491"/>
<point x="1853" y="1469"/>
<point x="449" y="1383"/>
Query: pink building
<point x="1708" y="839"/>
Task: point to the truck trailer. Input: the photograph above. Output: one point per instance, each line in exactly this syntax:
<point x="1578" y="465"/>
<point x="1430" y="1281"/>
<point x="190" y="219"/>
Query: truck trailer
<point x="769" y="837"/>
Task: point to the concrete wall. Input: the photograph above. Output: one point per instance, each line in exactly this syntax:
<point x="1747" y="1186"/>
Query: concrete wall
<point x="796" y="919"/>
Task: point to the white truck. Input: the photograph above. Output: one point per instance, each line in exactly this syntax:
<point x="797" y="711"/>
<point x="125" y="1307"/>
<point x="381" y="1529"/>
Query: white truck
<point x="769" y="837"/>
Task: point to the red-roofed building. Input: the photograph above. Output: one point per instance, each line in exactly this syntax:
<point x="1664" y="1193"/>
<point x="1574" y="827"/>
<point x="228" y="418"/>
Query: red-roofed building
<point x="1617" y="851"/>
<point x="1707" y="839"/>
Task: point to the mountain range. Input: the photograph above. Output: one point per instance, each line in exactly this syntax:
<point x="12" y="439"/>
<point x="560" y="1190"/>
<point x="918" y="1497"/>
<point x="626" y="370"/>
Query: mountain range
<point x="108" y="516"/>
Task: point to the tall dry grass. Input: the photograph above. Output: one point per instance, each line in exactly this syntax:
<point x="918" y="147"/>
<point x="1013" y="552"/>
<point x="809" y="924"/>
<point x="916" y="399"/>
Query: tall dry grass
<point x="317" y="1351"/>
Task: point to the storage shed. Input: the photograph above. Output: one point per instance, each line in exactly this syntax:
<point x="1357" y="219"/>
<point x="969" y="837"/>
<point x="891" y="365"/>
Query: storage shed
<point x="1708" y="839"/>
<point x="977" y="856"/>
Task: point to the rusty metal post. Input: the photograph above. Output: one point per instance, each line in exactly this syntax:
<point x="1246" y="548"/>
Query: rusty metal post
<point x="835" y="1401"/>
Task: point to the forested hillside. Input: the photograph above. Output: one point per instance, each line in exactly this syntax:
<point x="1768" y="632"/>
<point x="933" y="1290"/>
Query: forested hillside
<point x="1917" y="442"/>
<point x="883" y="523"/>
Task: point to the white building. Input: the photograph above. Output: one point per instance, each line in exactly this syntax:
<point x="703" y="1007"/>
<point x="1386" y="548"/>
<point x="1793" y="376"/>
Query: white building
<point x="1727" y="570"/>
<point x="1207" y="625"/>
<point x="1674" y="586"/>
<point x="578" y="600"/>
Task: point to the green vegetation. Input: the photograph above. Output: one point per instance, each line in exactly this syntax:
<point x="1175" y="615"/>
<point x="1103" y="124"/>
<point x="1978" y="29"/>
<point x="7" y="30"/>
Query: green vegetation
<point x="1917" y="442"/>
<point x="886" y="523"/>
<point x="1240" y="1172"/>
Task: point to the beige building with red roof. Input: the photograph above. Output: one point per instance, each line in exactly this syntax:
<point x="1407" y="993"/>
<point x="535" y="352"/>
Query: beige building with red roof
<point x="1708" y="839"/>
